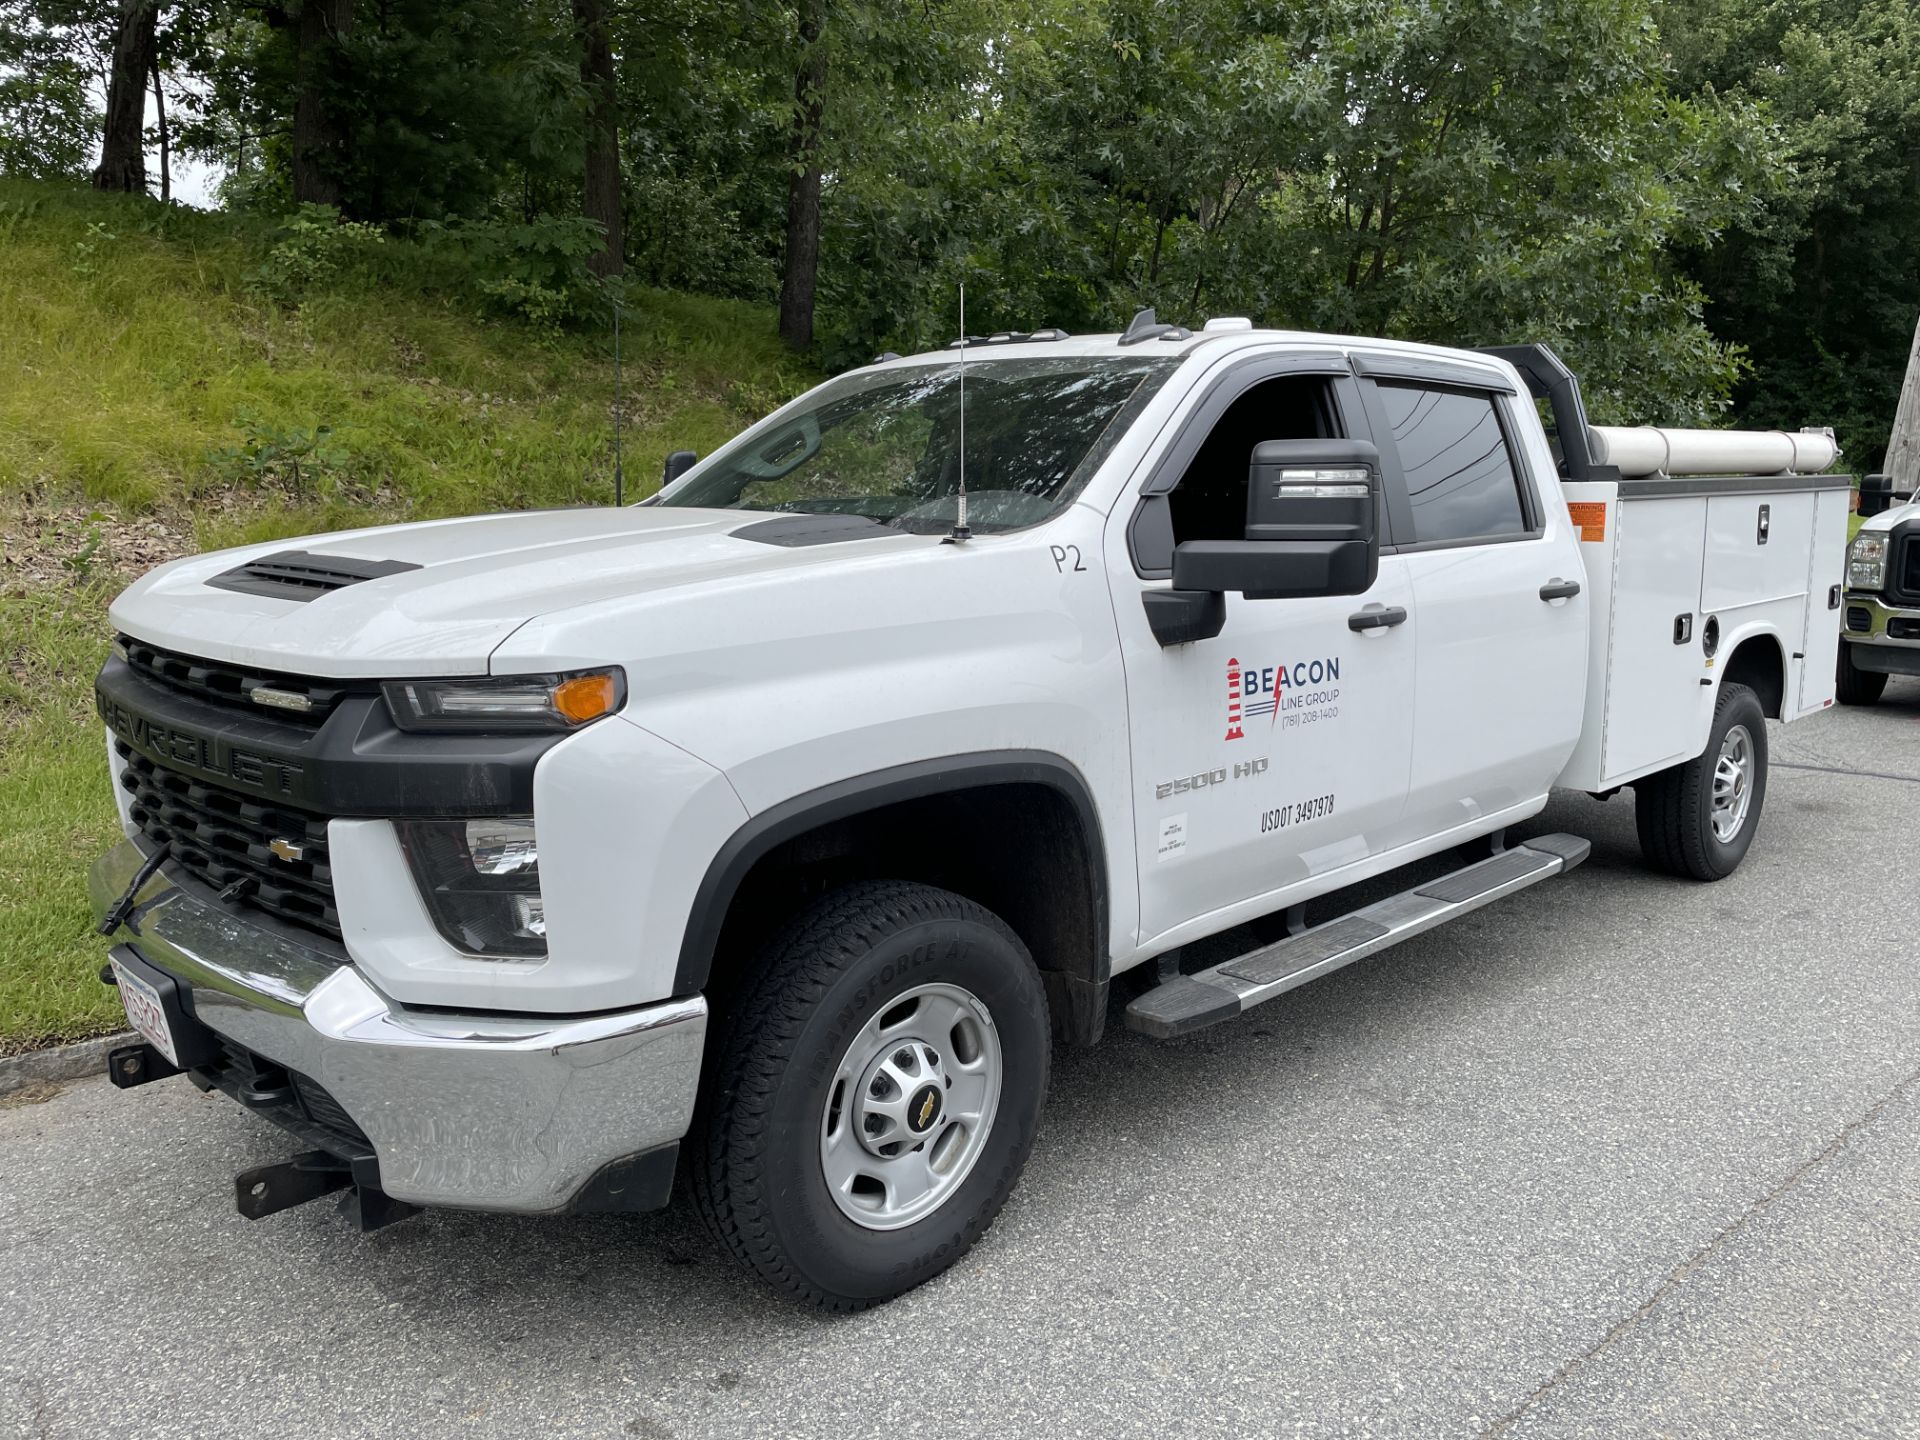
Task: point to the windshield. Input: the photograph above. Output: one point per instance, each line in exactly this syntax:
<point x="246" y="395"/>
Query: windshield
<point x="886" y="445"/>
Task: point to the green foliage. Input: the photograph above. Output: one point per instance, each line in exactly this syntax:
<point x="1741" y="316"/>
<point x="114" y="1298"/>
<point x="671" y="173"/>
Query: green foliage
<point x="312" y="252"/>
<point x="48" y="115"/>
<point x="1822" y="284"/>
<point x="1482" y="171"/>
<point x="1667" y="190"/>
<point x="295" y="457"/>
<point x="86" y="250"/>
<point x="59" y="815"/>
<point x="126" y="385"/>
<point x="534" y="269"/>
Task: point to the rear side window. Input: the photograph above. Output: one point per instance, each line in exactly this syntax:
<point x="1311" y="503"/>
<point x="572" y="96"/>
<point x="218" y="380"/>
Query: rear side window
<point x="1460" y="474"/>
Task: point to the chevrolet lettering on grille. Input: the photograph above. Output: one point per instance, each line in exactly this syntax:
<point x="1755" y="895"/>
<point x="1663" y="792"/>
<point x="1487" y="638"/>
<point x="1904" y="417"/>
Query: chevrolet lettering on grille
<point x="185" y="749"/>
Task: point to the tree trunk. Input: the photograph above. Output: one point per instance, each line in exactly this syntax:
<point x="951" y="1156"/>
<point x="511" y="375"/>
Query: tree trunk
<point x="1902" y="464"/>
<point x="601" y="199"/>
<point x="803" y="182"/>
<point x="318" y="137"/>
<point x="123" y="149"/>
<point x="166" y="150"/>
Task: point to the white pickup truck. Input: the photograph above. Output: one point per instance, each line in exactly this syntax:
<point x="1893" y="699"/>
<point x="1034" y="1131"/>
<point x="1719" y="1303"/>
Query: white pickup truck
<point x="769" y="831"/>
<point x="1882" y="633"/>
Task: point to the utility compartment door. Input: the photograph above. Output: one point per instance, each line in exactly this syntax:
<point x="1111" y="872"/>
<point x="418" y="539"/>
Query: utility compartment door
<point x="1654" y="694"/>
<point x="1756" y="549"/>
<point x="1826" y="569"/>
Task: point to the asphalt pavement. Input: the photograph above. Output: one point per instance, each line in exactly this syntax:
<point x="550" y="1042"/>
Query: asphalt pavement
<point x="1618" y="1156"/>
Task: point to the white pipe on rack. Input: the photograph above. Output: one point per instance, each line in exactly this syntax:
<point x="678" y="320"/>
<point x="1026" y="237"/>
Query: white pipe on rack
<point x="1654" y="450"/>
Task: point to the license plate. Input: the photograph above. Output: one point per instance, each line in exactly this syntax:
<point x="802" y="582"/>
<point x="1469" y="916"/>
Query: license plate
<point x="145" y="1011"/>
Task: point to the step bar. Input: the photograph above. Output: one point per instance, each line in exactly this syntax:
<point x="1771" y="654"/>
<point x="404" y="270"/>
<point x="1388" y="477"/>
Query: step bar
<point x="1187" y="1003"/>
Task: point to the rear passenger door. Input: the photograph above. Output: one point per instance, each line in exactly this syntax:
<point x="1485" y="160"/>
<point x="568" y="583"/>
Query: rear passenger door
<point x="1498" y="590"/>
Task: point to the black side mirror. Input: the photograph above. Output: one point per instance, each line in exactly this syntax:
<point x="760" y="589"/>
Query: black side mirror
<point x="1310" y="526"/>
<point x="678" y="463"/>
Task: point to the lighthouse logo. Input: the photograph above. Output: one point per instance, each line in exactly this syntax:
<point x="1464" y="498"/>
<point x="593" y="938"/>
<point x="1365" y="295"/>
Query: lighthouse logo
<point x="1265" y="690"/>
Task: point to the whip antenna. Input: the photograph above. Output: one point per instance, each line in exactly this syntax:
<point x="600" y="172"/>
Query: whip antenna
<point x="619" y="479"/>
<point x="961" y="533"/>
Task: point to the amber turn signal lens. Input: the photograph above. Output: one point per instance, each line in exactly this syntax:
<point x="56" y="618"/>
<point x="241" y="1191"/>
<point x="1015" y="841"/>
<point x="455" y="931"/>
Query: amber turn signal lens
<point x="585" y="697"/>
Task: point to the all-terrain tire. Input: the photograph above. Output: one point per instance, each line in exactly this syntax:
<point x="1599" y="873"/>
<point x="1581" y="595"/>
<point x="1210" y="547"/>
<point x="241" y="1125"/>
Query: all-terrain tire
<point x="756" y="1168"/>
<point x="1674" y="808"/>
<point x="1854" y="686"/>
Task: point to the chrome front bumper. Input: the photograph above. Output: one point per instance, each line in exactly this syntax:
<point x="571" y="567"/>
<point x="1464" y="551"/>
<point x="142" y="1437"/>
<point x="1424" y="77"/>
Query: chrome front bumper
<point x="1873" y="647"/>
<point x="479" y="1111"/>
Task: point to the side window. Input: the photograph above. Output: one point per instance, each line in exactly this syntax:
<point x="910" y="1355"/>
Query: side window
<point x="1460" y="474"/>
<point x="1210" y="500"/>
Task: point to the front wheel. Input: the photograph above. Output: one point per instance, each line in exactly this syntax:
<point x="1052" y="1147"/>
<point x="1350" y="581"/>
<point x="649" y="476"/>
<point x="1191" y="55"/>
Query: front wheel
<point x="876" y="1095"/>
<point x="1854" y="686"/>
<point x="1698" y="818"/>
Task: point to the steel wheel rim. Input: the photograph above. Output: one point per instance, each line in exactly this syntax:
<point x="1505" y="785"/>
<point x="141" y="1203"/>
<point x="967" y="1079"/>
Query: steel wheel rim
<point x="1732" y="784"/>
<point x="911" y="1106"/>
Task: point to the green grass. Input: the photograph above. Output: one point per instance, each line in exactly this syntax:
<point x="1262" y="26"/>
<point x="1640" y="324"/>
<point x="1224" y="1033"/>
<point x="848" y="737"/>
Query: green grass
<point x="133" y="354"/>
<point x="56" y="814"/>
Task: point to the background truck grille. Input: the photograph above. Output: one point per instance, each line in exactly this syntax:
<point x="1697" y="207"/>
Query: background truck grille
<point x="1904" y="571"/>
<point x="223" y="839"/>
<point x="226" y="684"/>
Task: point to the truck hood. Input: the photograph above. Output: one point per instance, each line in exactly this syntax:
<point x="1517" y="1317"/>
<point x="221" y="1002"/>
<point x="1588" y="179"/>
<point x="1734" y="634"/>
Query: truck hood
<point x="438" y="597"/>
<point x="1887" y="519"/>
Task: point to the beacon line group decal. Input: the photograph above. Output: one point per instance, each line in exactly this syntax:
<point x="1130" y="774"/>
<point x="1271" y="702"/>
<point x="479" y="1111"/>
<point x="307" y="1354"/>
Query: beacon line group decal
<point x="1269" y="690"/>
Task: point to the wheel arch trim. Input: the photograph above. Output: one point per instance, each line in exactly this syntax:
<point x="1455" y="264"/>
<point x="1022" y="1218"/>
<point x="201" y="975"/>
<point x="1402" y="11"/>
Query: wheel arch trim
<point x="861" y="794"/>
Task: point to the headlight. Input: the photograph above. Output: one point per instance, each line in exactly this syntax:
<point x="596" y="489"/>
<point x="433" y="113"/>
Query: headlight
<point x="481" y="882"/>
<point x="507" y="702"/>
<point x="1867" y="561"/>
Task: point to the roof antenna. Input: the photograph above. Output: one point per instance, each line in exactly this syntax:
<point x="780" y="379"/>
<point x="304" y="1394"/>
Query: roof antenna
<point x="619" y="479"/>
<point x="960" y="533"/>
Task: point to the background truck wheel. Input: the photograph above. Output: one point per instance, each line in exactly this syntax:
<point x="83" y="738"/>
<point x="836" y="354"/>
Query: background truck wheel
<point x="876" y="1094"/>
<point x="1854" y="686"/>
<point x="1698" y="819"/>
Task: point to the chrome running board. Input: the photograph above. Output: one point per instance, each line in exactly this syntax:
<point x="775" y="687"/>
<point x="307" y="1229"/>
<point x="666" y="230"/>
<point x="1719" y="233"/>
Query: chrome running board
<point x="1187" y="1003"/>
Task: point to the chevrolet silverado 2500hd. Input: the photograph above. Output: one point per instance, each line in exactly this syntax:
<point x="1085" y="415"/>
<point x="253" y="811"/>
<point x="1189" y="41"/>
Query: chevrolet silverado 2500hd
<point x="768" y="831"/>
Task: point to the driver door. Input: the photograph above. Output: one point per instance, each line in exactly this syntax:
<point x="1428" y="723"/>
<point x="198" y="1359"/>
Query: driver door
<point x="1277" y="751"/>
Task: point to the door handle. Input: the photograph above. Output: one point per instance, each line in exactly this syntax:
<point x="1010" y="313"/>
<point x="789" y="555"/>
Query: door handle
<point x="1558" y="589"/>
<point x="1377" y="617"/>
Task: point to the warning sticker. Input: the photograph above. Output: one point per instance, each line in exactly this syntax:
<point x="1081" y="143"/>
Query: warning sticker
<point x="1591" y="517"/>
<point x="1173" y="836"/>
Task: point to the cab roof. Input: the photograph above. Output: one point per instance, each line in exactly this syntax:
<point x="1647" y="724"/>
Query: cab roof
<point x="1218" y="336"/>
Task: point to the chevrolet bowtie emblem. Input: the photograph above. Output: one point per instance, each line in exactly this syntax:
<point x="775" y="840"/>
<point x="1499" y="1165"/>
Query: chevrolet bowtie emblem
<point x="286" y="849"/>
<point x="926" y="1112"/>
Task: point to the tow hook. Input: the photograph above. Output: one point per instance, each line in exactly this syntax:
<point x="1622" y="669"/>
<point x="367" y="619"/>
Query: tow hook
<point x="132" y="1065"/>
<point x="269" y="1189"/>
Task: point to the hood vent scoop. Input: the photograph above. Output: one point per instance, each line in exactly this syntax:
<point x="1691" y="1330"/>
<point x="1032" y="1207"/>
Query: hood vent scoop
<point x="297" y="575"/>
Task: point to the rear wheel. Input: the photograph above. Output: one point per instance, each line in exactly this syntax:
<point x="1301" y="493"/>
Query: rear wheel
<point x="876" y="1096"/>
<point x="1854" y="686"/>
<point x="1698" y="819"/>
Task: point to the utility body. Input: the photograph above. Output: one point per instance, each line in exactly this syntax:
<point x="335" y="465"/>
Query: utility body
<point x="769" y="831"/>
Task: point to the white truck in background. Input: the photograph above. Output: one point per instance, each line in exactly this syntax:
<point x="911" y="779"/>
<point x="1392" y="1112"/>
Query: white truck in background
<point x="1881" y="634"/>
<point x="769" y="832"/>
